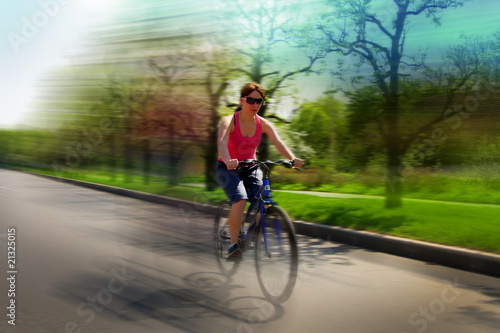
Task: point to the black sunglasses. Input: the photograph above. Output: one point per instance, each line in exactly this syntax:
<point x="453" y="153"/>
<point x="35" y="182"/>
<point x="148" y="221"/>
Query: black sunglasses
<point x="251" y="100"/>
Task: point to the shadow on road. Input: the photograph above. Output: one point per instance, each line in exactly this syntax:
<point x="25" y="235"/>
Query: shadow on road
<point x="313" y="250"/>
<point x="478" y="314"/>
<point x="121" y="290"/>
<point x="165" y="275"/>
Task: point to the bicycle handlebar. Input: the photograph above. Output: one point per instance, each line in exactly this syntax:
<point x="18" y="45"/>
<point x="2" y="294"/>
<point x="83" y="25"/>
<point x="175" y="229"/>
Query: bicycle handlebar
<point x="284" y="163"/>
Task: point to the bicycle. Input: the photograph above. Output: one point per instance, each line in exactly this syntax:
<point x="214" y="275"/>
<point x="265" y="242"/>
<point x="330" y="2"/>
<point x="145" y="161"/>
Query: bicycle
<point x="268" y="230"/>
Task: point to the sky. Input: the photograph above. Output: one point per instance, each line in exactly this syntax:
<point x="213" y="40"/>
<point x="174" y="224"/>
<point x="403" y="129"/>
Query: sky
<point x="38" y="35"/>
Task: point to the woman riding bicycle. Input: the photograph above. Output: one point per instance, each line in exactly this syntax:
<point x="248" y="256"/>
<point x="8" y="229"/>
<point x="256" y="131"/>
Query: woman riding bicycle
<point x="238" y="138"/>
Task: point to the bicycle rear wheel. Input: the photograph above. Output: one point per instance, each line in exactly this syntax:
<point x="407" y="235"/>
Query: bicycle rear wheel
<point x="277" y="262"/>
<point x="222" y="241"/>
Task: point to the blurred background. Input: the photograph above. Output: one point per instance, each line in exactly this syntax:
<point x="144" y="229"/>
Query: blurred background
<point x="132" y="92"/>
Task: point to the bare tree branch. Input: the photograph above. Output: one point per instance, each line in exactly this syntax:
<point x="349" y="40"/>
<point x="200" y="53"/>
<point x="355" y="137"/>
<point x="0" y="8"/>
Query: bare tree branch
<point x="373" y="19"/>
<point x="433" y="4"/>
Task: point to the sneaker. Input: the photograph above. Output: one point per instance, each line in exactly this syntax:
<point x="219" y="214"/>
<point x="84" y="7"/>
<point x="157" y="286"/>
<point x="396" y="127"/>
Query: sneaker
<point x="234" y="253"/>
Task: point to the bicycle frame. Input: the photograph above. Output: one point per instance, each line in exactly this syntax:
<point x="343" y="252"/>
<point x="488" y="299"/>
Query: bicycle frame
<point x="261" y="201"/>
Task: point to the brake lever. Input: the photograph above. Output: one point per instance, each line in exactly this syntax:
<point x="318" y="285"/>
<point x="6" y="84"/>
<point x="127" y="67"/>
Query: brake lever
<point x="285" y="163"/>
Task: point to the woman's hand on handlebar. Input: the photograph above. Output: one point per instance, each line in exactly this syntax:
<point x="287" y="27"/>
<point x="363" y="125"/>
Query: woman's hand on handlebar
<point x="232" y="164"/>
<point x="297" y="162"/>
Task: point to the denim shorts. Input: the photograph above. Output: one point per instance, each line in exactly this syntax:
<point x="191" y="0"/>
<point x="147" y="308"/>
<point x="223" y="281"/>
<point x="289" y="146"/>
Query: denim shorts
<point x="239" y="185"/>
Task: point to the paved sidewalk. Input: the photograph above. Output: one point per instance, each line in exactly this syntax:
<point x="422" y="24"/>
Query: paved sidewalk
<point x="364" y="196"/>
<point x="477" y="261"/>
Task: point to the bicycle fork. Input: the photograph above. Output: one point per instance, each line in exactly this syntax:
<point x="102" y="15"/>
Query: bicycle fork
<point x="277" y="229"/>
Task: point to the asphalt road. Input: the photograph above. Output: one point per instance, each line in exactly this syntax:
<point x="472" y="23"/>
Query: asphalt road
<point x="89" y="261"/>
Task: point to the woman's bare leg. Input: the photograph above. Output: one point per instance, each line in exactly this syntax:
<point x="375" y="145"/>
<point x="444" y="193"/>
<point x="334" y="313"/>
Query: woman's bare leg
<point x="235" y="219"/>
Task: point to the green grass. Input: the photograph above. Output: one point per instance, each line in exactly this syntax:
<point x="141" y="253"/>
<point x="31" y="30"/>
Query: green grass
<point x="463" y="185"/>
<point x="465" y="225"/>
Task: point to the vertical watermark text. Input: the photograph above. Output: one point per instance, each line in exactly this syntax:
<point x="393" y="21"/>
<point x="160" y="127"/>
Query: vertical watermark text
<point x="11" y="275"/>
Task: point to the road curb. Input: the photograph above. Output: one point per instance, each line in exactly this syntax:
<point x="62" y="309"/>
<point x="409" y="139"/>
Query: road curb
<point x="465" y="259"/>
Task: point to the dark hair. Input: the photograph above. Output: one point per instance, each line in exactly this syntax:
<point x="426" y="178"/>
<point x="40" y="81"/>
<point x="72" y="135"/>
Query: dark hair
<point x="248" y="89"/>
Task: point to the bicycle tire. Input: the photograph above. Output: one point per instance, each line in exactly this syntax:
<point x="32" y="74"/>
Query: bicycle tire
<point x="277" y="269"/>
<point x="222" y="240"/>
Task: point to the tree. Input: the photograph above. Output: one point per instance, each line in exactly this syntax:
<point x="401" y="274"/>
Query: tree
<point x="173" y="124"/>
<point x="360" y="141"/>
<point x="204" y="64"/>
<point x="171" y="69"/>
<point x="130" y="98"/>
<point x="351" y="28"/>
<point x="217" y="67"/>
<point x="317" y="121"/>
<point x="262" y="29"/>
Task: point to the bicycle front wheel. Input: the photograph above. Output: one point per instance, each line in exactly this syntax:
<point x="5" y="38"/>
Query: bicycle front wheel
<point x="222" y="241"/>
<point x="276" y="255"/>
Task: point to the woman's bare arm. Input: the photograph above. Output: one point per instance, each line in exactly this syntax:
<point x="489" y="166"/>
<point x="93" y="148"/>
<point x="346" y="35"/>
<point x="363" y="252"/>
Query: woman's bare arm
<point x="281" y="147"/>
<point x="225" y="129"/>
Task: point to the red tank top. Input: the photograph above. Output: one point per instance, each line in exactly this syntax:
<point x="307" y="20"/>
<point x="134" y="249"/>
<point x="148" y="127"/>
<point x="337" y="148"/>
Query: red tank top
<point x="241" y="147"/>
